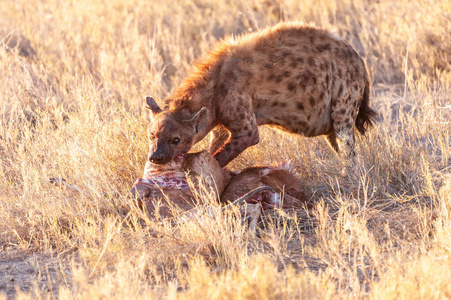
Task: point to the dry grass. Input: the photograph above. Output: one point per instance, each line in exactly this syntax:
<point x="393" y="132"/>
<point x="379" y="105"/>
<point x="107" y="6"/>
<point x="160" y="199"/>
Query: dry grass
<point x="75" y="109"/>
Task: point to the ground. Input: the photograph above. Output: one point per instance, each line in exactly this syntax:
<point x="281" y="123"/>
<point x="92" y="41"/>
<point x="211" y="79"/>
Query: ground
<point x="22" y="271"/>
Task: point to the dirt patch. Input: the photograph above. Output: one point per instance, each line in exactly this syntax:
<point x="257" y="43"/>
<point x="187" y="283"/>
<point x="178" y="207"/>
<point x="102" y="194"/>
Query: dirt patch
<point x="32" y="272"/>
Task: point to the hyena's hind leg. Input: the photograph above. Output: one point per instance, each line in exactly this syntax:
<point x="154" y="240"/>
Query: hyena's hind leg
<point x="344" y="115"/>
<point x="219" y="136"/>
<point x="331" y="138"/>
<point x="347" y="138"/>
<point x="343" y="122"/>
<point x="344" y="134"/>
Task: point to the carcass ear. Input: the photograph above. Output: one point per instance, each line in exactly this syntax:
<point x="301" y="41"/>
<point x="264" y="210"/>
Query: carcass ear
<point x="152" y="106"/>
<point x="200" y="119"/>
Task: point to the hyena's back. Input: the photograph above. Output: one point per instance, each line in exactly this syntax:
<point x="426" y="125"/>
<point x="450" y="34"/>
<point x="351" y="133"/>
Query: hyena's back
<point x="298" y="75"/>
<point x="299" y="79"/>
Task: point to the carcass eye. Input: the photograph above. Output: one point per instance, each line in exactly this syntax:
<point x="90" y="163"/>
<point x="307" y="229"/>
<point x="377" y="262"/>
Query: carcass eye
<point x="175" y="141"/>
<point x="151" y="136"/>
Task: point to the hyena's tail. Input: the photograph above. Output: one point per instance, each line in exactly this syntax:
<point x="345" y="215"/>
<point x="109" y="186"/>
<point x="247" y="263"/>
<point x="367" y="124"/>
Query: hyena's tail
<point x="366" y="116"/>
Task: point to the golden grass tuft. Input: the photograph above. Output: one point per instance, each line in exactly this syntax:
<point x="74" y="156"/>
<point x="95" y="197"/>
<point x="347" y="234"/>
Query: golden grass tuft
<point x="74" y="75"/>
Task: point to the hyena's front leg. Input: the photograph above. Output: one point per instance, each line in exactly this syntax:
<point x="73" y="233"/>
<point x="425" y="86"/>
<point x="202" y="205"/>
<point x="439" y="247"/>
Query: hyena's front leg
<point x="238" y="142"/>
<point x="219" y="137"/>
<point x="243" y="134"/>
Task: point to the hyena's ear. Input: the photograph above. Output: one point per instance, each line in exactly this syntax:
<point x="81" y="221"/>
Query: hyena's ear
<point x="152" y="106"/>
<point x="199" y="120"/>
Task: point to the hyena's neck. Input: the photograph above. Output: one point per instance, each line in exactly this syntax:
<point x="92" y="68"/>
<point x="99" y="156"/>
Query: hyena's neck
<point x="198" y="89"/>
<point x="190" y="101"/>
<point x="191" y="98"/>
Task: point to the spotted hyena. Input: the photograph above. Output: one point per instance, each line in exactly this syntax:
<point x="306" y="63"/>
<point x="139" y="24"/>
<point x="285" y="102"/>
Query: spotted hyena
<point x="296" y="78"/>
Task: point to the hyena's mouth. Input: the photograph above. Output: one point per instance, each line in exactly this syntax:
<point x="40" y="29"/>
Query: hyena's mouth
<point x="174" y="164"/>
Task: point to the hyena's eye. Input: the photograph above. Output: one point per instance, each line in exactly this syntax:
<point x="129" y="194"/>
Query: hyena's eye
<point x="175" y="141"/>
<point x="151" y="136"/>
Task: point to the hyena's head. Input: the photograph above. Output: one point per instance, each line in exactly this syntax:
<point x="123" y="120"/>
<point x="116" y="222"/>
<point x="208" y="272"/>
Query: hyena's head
<point x="171" y="132"/>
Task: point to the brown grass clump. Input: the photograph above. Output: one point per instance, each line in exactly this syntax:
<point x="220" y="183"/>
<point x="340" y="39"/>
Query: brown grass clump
<point x="73" y="78"/>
